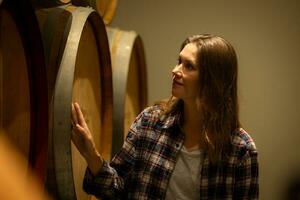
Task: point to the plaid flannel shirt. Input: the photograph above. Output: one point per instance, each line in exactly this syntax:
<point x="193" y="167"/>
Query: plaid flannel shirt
<point x="143" y="167"/>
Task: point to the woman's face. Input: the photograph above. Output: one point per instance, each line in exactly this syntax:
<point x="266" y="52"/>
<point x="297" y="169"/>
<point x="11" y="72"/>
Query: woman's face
<point x="186" y="74"/>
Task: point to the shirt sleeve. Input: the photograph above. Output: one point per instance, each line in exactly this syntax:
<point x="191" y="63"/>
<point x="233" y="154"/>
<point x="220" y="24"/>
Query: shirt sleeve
<point x="246" y="177"/>
<point x="108" y="183"/>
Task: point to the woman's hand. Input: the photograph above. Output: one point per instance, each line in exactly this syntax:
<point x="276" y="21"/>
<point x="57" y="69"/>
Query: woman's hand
<point x="83" y="140"/>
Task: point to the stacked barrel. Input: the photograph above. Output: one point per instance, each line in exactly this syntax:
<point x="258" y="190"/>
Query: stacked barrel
<point x="62" y="52"/>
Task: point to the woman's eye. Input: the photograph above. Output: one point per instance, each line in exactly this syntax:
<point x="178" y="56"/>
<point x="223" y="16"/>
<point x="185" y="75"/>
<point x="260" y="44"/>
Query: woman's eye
<point x="186" y="64"/>
<point x="189" y="66"/>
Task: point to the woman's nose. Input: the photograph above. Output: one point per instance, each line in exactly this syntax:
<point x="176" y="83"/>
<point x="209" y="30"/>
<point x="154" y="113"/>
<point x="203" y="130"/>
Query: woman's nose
<point x="177" y="71"/>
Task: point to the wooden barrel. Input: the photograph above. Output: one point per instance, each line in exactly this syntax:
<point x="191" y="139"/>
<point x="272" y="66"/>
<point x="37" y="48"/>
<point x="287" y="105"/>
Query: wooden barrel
<point x="106" y="8"/>
<point x="129" y="81"/>
<point x="79" y="70"/>
<point x="23" y="86"/>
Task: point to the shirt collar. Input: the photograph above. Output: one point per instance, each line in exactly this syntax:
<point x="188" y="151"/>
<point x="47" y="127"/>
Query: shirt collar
<point x="171" y="120"/>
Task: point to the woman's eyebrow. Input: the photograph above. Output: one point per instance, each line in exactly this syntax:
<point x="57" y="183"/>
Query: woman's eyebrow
<point x="187" y="60"/>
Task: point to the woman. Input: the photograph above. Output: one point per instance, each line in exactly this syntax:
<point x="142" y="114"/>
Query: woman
<point x="191" y="147"/>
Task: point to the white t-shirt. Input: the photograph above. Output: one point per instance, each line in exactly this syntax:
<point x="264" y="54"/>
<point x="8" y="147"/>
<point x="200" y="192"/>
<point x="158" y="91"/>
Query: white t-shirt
<point x="185" y="179"/>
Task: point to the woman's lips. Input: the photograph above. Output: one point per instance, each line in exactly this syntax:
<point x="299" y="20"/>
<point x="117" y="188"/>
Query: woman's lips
<point x="177" y="82"/>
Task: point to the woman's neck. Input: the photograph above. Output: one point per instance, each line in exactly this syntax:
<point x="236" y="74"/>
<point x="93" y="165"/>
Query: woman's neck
<point x="192" y="125"/>
<point x="192" y="115"/>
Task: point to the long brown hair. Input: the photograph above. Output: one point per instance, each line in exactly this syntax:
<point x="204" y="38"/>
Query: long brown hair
<point x="217" y="92"/>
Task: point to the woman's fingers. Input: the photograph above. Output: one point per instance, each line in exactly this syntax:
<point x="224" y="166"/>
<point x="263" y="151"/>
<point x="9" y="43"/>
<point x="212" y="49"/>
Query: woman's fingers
<point x="83" y="140"/>
<point x="73" y="115"/>
<point x="81" y="135"/>
<point x="78" y="139"/>
<point x="79" y="115"/>
<point x="79" y="130"/>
